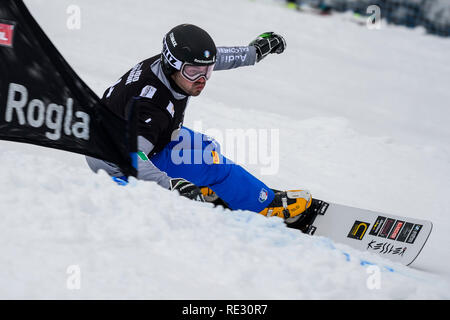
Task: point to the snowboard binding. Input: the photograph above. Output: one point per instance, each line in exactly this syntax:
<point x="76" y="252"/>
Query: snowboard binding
<point x="302" y="222"/>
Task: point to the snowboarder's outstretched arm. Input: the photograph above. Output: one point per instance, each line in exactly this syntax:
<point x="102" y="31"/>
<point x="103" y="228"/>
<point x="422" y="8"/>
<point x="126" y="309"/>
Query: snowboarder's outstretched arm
<point x="258" y="49"/>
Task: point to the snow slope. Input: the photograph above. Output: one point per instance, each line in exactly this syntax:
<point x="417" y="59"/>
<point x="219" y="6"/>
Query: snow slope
<point x="362" y="120"/>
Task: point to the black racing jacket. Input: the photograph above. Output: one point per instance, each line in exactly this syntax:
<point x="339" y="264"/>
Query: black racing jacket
<point x="161" y="103"/>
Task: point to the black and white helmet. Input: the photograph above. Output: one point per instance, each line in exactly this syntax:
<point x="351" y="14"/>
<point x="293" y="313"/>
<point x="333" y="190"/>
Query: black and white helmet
<point x="187" y="44"/>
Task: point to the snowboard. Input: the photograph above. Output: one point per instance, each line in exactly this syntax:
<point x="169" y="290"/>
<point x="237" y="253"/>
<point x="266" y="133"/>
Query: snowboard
<point x="396" y="238"/>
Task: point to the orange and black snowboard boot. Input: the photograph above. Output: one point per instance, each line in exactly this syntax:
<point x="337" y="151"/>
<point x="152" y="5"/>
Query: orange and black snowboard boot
<point x="288" y="204"/>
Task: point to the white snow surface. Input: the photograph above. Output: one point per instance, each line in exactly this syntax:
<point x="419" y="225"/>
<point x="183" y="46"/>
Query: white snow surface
<point x="363" y="121"/>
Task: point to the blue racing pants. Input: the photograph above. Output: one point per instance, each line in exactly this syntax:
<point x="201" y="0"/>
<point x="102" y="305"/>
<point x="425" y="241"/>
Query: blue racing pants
<point x="197" y="158"/>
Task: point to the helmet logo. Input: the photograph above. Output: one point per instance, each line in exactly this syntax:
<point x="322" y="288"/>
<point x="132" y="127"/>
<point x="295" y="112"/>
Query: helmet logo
<point x="207" y="54"/>
<point x="174" y="62"/>
<point x="172" y="39"/>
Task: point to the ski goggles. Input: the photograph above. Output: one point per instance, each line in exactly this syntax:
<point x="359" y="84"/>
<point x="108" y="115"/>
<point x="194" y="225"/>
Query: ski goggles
<point x="193" y="73"/>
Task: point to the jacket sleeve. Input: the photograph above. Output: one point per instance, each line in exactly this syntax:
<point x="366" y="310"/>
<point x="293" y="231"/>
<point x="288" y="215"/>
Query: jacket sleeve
<point x="152" y="122"/>
<point x="146" y="169"/>
<point x="235" y="57"/>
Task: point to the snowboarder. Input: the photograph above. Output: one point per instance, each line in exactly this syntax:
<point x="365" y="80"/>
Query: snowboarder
<point x="162" y="86"/>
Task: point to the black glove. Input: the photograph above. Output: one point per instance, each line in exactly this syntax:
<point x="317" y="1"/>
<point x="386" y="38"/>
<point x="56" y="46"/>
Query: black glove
<point x="266" y="43"/>
<point x="187" y="189"/>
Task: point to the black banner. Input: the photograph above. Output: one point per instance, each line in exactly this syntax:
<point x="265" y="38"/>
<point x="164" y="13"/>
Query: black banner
<point x="44" y="102"/>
